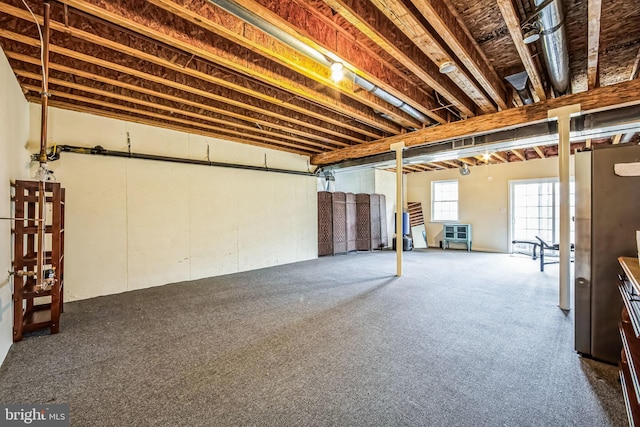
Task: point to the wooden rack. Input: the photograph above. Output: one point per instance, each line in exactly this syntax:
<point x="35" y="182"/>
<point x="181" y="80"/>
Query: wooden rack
<point x="34" y="309"/>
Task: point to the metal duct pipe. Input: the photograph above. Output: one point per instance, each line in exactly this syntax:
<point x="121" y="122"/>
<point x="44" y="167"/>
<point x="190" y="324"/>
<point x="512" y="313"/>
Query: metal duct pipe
<point x="101" y="151"/>
<point x="554" y="44"/>
<point x="519" y="83"/>
<point x="600" y="124"/>
<point x="275" y="32"/>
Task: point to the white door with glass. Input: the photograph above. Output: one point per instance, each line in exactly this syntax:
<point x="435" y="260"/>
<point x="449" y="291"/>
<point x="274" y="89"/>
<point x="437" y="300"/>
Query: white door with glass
<point x="535" y="211"/>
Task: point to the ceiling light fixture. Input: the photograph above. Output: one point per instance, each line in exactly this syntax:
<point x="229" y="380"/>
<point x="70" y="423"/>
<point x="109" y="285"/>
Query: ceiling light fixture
<point x="486" y="157"/>
<point x="530" y="33"/>
<point x="447" y="67"/>
<point x="337" y="71"/>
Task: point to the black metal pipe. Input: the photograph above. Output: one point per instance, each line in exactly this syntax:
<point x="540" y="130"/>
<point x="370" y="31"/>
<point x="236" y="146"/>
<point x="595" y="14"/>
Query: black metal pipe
<point x="101" y="151"/>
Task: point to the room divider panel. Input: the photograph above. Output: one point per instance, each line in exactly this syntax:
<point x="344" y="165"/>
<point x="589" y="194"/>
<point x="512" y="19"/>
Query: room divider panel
<point x="339" y="205"/>
<point x="325" y="223"/>
<point x="351" y="221"/>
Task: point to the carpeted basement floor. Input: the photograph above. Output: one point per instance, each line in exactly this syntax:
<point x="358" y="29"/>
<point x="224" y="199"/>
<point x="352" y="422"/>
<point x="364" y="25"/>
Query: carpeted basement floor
<point x="463" y="339"/>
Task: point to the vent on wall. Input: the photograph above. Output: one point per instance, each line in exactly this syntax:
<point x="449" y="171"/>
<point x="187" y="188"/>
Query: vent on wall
<point x="464" y="142"/>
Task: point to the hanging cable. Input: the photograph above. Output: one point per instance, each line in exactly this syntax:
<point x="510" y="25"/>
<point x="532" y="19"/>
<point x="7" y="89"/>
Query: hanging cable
<point x="44" y="74"/>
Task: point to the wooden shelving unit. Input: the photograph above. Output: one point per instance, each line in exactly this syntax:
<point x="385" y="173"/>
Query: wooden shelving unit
<point x="629" y="288"/>
<point x="37" y="309"/>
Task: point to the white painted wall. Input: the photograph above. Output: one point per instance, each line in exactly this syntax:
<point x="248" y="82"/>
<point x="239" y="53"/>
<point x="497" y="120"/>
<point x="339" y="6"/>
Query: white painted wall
<point x="134" y="224"/>
<point x="385" y="183"/>
<point x="14" y="164"/>
<point x="483" y="198"/>
<point x="358" y="181"/>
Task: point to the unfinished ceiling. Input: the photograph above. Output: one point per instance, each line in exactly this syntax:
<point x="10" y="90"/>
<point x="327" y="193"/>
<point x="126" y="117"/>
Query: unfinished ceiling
<point x="259" y="71"/>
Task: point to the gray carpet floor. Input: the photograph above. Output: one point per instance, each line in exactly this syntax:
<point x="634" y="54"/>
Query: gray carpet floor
<point x="462" y="339"/>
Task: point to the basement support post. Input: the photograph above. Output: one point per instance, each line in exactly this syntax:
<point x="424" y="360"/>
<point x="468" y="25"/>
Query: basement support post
<point x="398" y="147"/>
<point x="563" y="114"/>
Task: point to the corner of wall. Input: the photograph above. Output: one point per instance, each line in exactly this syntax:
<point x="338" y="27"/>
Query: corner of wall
<point x="14" y="161"/>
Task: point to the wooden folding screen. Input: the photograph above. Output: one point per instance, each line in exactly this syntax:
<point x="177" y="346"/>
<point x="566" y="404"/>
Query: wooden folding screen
<point x="363" y="230"/>
<point x="339" y="208"/>
<point x="325" y="223"/>
<point x="374" y="216"/>
<point x="351" y="221"/>
<point x="384" y="237"/>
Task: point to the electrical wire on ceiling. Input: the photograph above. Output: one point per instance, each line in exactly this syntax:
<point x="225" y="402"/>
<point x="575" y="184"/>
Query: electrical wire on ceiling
<point x="44" y="74"/>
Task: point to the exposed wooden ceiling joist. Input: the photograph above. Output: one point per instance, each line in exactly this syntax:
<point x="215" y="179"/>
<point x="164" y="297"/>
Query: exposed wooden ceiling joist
<point x="468" y="161"/>
<point x="444" y="22"/>
<point x="257" y="98"/>
<point x="513" y="24"/>
<point x="593" y="43"/>
<point x="519" y="154"/>
<point x="191" y="65"/>
<point x="374" y="71"/>
<point x="412" y="25"/>
<point x="539" y="151"/>
<point x="499" y="157"/>
<point x="380" y="28"/>
<point x="177" y="32"/>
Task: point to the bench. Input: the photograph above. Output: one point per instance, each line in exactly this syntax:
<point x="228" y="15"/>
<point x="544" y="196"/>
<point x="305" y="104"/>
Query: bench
<point x="539" y="246"/>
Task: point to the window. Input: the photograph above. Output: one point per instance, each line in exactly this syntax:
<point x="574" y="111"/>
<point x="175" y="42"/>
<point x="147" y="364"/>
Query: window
<point x="535" y="211"/>
<point x="444" y="200"/>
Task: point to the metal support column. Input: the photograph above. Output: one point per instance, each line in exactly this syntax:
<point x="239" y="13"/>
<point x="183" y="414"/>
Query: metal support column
<point x="563" y="114"/>
<point x="398" y="147"/>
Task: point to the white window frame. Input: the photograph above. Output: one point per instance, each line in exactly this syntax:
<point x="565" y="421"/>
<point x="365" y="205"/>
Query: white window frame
<point x="434" y="184"/>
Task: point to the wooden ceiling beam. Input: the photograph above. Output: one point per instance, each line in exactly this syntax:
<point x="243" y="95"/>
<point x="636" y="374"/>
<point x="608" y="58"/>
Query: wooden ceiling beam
<point x="519" y="154"/>
<point x="156" y="123"/>
<point x="309" y="134"/>
<point x="136" y="16"/>
<point x="593" y="42"/>
<point x="410" y="23"/>
<point x="616" y="139"/>
<point x="469" y="161"/>
<point x="445" y="24"/>
<point x="327" y="39"/>
<point x="451" y="163"/>
<point x="411" y="168"/>
<point x="607" y="97"/>
<point x="513" y="25"/>
<point x="379" y="28"/>
<point x="636" y="67"/>
<point x="186" y="123"/>
<point x="539" y="151"/>
<point x="435" y="166"/>
<point x="148" y="77"/>
<point x="155" y="104"/>
<point x="500" y="157"/>
<point x="127" y="46"/>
